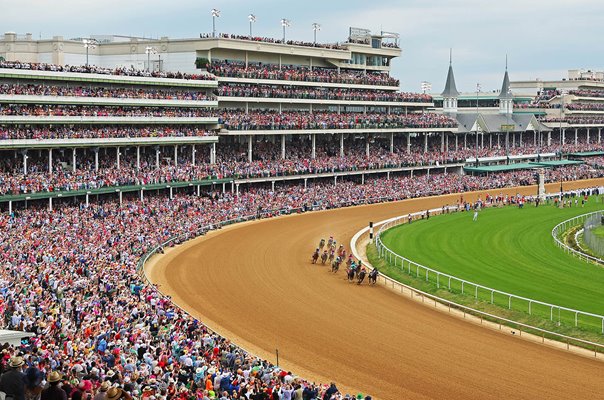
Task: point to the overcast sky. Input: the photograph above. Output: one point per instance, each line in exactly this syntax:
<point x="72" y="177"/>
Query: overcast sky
<point x="543" y="38"/>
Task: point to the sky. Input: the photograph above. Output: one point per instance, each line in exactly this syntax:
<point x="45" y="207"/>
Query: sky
<point x="542" y="38"/>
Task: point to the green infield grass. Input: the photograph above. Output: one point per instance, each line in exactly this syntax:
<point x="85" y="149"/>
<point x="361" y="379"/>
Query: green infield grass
<point x="511" y="250"/>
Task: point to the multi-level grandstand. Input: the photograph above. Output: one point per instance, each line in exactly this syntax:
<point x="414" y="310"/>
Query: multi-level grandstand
<point x="108" y="152"/>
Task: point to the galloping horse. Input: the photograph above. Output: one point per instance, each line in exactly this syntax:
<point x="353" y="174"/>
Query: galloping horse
<point x="315" y="256"/>
<point x="324" y="257"/>
<point x="361" y="276"/>
<point x="335" y="265"/>
<point x="332" y="255"/>
<point x="373" y="276"/>
<point x="322" y="243"/>
<point x="350" y="274"/>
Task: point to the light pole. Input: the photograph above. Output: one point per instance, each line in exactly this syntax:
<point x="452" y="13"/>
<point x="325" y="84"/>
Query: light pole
<point x="149" y="50"/>
<point x="477" y="91"/>
<point x="252" y="19"/>
<point x="285" y="23"/>
<point x="89" y="44"/>
<point x="315" y="27"/>
<point x="215" y="14"/>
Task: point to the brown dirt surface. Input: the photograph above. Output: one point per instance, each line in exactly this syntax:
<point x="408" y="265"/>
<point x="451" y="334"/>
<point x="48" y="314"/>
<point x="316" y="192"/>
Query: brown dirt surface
<point x="255" y="284"/>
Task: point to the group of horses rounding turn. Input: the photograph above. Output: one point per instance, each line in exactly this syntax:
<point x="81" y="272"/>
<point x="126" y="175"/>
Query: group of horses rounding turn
<point x="355" y="271"/>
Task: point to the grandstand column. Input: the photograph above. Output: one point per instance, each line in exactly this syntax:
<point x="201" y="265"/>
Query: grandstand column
<point x="367" y="146"/>
<point x="193" y="151"/>
<point x="447" y="142"/>
<point x="341" y="145"/>
<point x="50" y="204"/>
<point x="362" y="179"/>
<point x="310" y="108"/>
<point x="232" y="186"/>
<point x="535" y="138"/>
<point x="442" y="142"/>
<point x="520" y="139"/>
<point x="213" y="154"/>
<point x="313" y="144"/>
<point x="272" y="186"/>
<point x="513" y="139"/>
<point x="87" y="199"/>
<point x="73" y="159"/>
<point x="465" y="141"/>
<point x="198" y="190"/>
<point x="10" y="206"/>
<point x="249" y="148"/>
<point x="576" y="136"/>
<point x="96" y="158"/>
<point x="391" y="142"/>
<point x="50" y="161"/>
<point x="157" y="157"/>
<point x="482" y="140"/>
<point x="490" y="141"/>
<point x="587" y="135"/>
<point x="171" y="192"/>
<point x="305" y="182"/>
<point x="549" y="138"/>
<point x="408" y="143"/>
<point x="176" y="155"/>
<point x="142" y="196"/>
<point x="25" y="157"/>
<point x="237" y="189"/>
<point x="388" y="175"/>
<point x="335" y="180"/>
<point x="117" y="156"/>
<point x="283" y="147"/>
<point x="138" y="157"/>
<point x="599" y="135"/>
<point x="223" y="187"/>
<point x="563" y="137"/>
<point x="456" y="142"/>
<point x="411" y="173"/>
<point x="425" y="142"/>
<point x="121" y="197"/>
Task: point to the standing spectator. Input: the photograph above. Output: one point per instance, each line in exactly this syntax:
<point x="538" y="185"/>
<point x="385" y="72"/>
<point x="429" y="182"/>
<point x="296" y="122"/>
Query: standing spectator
<point x="102" y="393"/>
<point x="53" y="391"/>
<point x="12" y="382"/>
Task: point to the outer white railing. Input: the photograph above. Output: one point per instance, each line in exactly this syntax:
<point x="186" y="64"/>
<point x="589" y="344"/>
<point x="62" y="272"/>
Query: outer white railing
<point x="564" y="226"/>
<point x="389" y="282"/>
<point x="445" y="280"/>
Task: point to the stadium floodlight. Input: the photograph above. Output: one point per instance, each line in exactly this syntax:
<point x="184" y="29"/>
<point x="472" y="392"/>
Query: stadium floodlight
<point x="285" y="23"/>
<point x="478" y="87"/>
<point x="252" y="19"/>
<point x="89" y="44"/>
<point x="426" y="86"/>
<point x="215" y="14"/>
<point x="149" y="50"/>
<point x="315" y="27"/>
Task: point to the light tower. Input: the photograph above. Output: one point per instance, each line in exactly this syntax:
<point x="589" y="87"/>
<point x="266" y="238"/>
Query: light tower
<point x="252" y="19"/>
<point x="215" y="14"/>
<point x="285" y="23"/>
<point x="315" y="27"/>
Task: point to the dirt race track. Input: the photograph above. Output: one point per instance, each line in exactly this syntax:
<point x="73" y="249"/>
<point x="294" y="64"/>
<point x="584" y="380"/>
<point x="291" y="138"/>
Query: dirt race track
<point x="254" y="283"/>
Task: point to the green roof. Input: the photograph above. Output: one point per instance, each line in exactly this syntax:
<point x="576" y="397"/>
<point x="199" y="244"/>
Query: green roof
<point x="109" y="189"/>
<point x="587" y="154"/>
<point x="500" y="168"/>
<point x="556" y="163"/>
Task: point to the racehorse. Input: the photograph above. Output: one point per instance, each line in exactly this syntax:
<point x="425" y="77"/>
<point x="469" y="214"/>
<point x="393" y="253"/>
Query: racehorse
<point x="373" y="276"/>
<point x="335" y="265"/>
<point x="324" y="257"/>
<point x="332" y="255"/>
<point x="322" y="243"/>
<point x="350" y="274"/>
<point x="315" y="256"/>
<point x="361" y="276"/>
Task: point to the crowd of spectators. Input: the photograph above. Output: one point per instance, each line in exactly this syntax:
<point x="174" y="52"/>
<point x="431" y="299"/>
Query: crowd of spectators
<point x="320" y="93"/>
<point x="274" y="120"/>
<point x="587" y="93"/>
<point x="577" y="120"/>
<point x="100" y="91"/>
<point x="585" y="106"/>
<point x="101" y="111"/>
<point x="93" y="69"/>
<point x="237" y="69"/>
<point x="333" y="46"/>
<point x="83" y="131"/>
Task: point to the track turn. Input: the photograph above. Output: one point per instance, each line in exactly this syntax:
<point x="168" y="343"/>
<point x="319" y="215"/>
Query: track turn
<point x="254" y="283"/>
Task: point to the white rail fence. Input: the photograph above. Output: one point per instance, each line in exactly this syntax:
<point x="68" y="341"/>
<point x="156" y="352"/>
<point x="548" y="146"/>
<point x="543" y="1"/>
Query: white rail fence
<point x="565" y="226"/>
<point x="450" y="282"/>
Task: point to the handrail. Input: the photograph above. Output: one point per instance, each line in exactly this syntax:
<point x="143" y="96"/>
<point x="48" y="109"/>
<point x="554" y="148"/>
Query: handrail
<point x="385" y="252"/>
<point x="573" y="222"/>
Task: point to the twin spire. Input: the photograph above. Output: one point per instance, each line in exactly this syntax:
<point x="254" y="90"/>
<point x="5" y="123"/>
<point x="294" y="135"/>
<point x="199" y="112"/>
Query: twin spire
<point x="450" y="88"/>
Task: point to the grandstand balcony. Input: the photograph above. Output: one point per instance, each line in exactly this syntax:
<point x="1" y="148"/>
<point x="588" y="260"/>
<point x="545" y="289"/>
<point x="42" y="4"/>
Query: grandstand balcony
<point x="228" y="79"/>
<point x="211" y="122"/>
<point x="29" y="75"/>
<point x="105" y="101"/>
<point x="370" y="103"/>
<point x="12" y="144"/>
<point x="360" y="130"/>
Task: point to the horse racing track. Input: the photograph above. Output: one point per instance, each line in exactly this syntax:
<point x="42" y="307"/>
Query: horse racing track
<point x="254" y="284"/>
